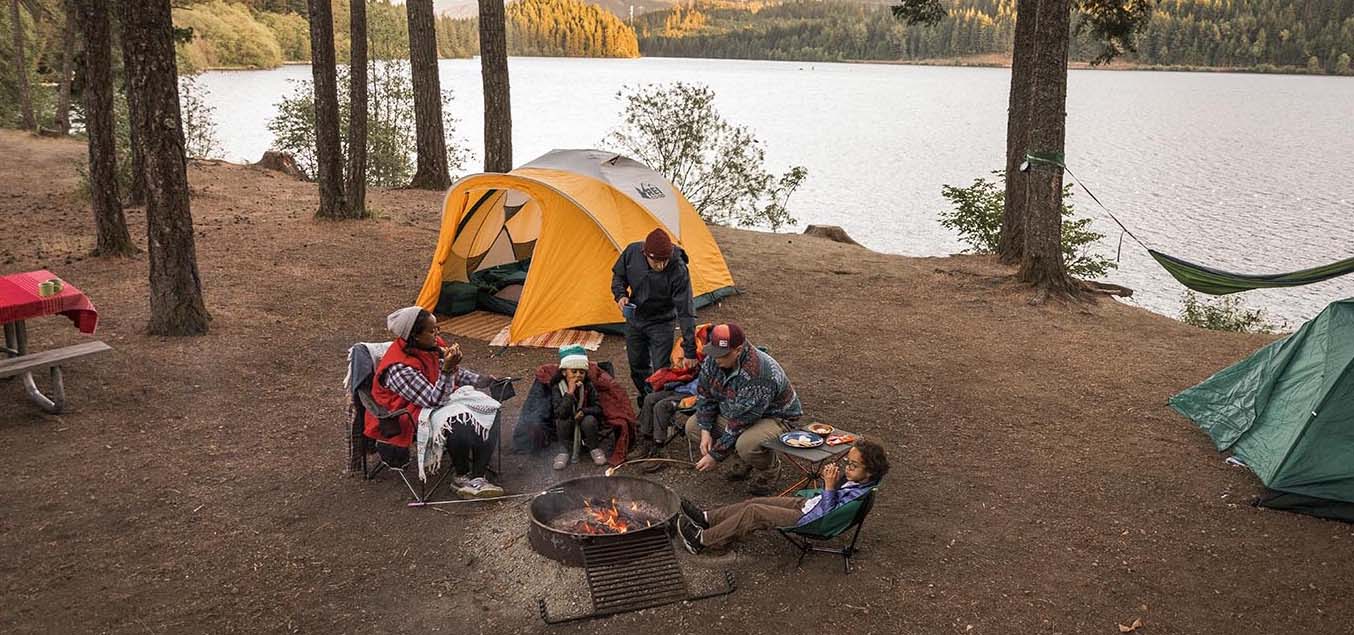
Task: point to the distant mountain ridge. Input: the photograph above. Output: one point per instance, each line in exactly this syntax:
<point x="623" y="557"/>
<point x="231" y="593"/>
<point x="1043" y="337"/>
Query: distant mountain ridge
<point x="621" y="8"/>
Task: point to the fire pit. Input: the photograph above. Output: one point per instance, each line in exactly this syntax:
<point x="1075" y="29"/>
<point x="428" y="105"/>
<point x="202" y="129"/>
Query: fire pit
<point x="596" y="509"/>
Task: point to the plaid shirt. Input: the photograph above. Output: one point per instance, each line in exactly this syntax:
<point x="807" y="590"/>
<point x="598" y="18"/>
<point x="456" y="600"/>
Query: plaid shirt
<point x="412" y="385"/>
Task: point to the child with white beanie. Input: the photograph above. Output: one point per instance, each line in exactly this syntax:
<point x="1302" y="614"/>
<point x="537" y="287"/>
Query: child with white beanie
<point x="574" y="404"/>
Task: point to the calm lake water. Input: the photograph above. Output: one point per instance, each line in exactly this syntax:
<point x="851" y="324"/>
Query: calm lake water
<point x="1248" y="173"/>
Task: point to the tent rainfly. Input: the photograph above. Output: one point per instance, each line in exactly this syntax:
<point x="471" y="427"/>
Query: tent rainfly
<point x="1287" y="412"/>
<point x="539" y="242"/>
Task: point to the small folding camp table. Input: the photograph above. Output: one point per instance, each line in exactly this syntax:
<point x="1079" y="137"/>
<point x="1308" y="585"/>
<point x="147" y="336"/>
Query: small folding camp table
<point x="809" y="461"/>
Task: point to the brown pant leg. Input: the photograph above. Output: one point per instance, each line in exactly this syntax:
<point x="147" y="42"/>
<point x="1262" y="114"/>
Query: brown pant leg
<point x="740" y="519"/>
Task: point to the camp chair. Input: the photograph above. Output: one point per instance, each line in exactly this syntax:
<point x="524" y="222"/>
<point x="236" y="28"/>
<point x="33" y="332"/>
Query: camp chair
<point x="833" y="524"/>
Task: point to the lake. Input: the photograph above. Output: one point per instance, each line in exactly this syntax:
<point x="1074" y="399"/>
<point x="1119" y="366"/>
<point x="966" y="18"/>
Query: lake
<point x="1247" y="173"/>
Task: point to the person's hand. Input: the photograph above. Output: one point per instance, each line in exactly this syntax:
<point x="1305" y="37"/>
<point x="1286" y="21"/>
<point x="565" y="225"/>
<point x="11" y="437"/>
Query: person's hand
<point x="687" y="362"/>
<point x="707" y="442"/>
<point x="451" y="356"/>
<point x="832" y="476"/>
<point x="706" y="463"/>
<point x="578" y="415"/>
<point x="621" y="302"/>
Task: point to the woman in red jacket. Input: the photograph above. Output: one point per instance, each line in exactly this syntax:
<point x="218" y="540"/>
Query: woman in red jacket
<point x="420" y="371"/>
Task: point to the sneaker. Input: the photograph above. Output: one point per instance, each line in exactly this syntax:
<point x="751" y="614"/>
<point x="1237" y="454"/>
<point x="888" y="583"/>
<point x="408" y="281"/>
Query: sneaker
<point x="561" y="461"/>
<point x="694" y="514"/>
<point x="598" y="457"/>
<point x="739" y="471"/>
<point x="479" y="487"/>
<point x="690" y="534"/>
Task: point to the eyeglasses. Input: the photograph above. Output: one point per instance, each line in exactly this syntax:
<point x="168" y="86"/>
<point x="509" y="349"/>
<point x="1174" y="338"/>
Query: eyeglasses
<point x="852" y="465"/>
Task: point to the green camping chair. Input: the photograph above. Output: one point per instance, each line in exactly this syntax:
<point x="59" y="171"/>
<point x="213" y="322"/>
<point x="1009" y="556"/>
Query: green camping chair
<point x="835" y="523"/>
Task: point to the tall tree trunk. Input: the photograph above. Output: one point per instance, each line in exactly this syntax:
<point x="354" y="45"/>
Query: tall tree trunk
<point x="328" y="154"/>
<point x="1011" y="243"/>
<point x="176" y="306"/>
<point x="136" y="186"/>
<point x="1042" y="263"/>
<point x="112" y="237"/>
<point x="357" y="113"/>
<point x="494" y="72"/>
<point x="430" y="139"/>
<point x="21" y="67"/>
<point x="62" y="118"/>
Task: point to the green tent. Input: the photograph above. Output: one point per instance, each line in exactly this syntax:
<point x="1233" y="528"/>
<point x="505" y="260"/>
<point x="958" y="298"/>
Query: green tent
<point x="1287" y="411"/>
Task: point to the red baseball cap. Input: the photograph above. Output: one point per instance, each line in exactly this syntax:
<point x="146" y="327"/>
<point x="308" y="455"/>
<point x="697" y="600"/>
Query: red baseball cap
<point x="724" y="338"/>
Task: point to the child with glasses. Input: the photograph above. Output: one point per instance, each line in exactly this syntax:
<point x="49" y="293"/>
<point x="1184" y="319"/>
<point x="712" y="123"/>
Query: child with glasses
<point x="864" y="467"/>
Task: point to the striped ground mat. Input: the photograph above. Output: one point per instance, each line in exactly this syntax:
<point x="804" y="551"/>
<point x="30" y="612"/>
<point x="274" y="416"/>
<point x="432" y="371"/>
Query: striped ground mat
<point x="493" y="328"/>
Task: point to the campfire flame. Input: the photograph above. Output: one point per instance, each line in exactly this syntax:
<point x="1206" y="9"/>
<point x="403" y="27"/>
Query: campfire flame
<point x="607" y="517"/>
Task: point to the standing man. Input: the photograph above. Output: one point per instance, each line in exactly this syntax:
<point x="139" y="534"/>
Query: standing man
<point x="743" y="399"/>
<point x="651" y="279"/>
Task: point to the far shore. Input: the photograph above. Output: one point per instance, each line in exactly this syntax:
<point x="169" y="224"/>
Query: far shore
<point x="979" y="61"/>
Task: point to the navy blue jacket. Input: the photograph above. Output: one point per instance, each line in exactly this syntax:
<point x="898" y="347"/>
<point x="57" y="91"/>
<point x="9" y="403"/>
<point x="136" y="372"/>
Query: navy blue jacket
<point x="670" y="300"/>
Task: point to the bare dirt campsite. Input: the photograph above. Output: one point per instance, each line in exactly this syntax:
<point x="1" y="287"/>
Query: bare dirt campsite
<point x="1039" y="483"/>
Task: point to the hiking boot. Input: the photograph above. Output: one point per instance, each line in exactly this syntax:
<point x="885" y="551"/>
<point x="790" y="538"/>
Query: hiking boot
<point x="561" y="461"/>
<point x="479" y="487"/>
<point x="644" y="448"/>
<point x="760" y="484"/>
<point x="738" y="470"/>
<point x="690" y="534"/>
<point x="598" y="457"/>
<point x="694" y="514"/>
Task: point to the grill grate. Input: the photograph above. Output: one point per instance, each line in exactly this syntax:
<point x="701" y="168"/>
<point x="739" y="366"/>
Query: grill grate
<point x="630" y="572"/>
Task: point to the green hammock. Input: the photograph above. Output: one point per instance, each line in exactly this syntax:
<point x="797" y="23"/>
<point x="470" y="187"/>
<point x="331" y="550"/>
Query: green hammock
<point x="1198" y="277"/>
<point x="1215" y="282"/>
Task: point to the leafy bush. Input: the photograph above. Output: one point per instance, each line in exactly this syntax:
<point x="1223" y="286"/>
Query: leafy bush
<point x="676" y="130"/>
<point x="1226" y="313"/>
<point x="977" y="217"/>
<point x="390" y="125"/>
<point x="199" y="130"/>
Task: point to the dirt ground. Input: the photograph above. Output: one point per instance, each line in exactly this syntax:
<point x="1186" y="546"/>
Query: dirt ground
<point x="1039" y="484"/>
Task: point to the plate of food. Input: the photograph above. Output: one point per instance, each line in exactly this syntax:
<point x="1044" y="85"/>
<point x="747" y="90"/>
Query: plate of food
<point x="820" y="429"/>
<point x="801" y="439"/>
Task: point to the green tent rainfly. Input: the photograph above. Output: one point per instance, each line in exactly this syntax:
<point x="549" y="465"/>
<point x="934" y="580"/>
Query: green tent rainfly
<point x="1287" y="411"/>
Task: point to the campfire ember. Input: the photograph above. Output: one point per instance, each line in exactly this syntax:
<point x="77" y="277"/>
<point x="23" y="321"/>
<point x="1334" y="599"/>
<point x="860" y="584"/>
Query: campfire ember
<point x="605" y="517"/>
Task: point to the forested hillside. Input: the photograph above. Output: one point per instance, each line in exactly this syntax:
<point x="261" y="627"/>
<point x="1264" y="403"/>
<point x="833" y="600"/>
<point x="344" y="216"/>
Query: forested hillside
<point x="551" y="28"/>
<point x="1308" y="35"/>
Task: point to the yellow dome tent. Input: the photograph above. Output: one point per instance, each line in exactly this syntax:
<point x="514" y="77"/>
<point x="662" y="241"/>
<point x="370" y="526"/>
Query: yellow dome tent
<point x="568" y="214"/>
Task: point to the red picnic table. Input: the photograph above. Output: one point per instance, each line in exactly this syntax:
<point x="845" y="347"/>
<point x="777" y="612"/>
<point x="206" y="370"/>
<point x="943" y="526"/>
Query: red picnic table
<point x="20" y="301"/>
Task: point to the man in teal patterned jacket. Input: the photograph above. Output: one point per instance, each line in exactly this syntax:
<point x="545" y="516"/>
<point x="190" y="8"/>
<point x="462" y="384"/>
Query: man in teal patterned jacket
<point x="744" y="398"/>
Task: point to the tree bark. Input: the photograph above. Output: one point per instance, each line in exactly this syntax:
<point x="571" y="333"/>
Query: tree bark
<point x="112" y="237"/>
<point x="1011" y="240"/>
<point x="61" y="120"/>
<point x="21" y="67"/>
<point x="430" y="138"/>
<point x="1042" y="265"/>
<point x="328" y="153"/>
<point x="494" y="72"/>
<point x="136" y="185"/>
<point x="176" y="305"/>
<point x="357" y="113"/>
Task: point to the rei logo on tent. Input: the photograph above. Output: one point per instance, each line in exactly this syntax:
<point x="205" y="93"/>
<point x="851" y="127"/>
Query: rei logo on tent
<point x="649" y="190"/>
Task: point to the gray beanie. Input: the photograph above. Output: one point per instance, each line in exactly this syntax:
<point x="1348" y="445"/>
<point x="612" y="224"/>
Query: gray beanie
<point x="402" y="322"/>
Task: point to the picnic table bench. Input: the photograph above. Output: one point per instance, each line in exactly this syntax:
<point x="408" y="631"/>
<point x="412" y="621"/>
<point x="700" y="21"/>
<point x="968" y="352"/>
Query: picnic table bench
<point x="20" y="301"/>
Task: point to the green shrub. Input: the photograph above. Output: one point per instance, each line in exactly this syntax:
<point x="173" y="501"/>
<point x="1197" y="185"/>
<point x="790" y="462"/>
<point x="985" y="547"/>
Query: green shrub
<point x="977" y="217"/>
<point x="1225" y="313"/>
<point x="720" y="167"/>
<point x="390" y="125"/>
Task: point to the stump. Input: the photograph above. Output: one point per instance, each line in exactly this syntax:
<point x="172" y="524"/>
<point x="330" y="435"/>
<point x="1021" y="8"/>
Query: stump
<point x="830" y="232"/>
<point x="281" y="162"/>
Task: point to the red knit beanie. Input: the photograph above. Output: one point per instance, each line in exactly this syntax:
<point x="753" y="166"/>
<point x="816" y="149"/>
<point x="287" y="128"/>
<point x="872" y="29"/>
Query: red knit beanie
<point x="657" y="245"/>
